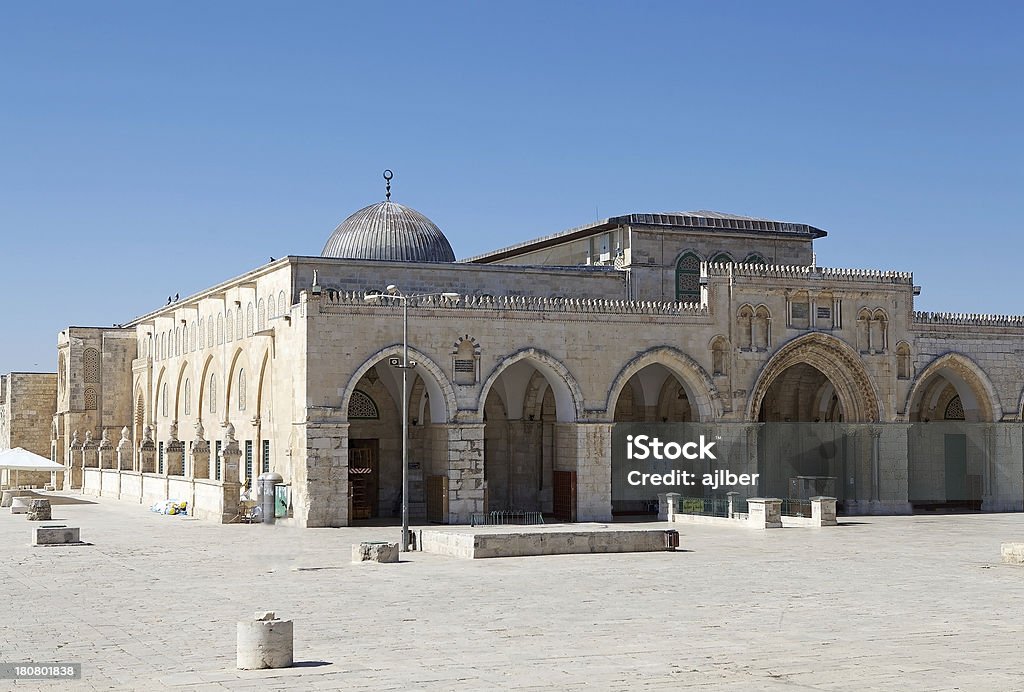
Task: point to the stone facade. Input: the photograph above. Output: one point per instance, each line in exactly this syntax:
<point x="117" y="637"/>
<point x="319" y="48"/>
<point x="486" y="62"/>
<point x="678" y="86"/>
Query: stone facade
<point x="517" y="384"/>
<point x="27" y="405"/>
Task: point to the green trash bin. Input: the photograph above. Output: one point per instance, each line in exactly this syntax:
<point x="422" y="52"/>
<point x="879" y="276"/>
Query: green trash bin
<point x="280" y="500"/>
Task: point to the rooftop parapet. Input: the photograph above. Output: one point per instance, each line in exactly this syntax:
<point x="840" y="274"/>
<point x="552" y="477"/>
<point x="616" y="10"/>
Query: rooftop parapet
<point x="973" y="319"/>
<point x="333" y="299"/>
<point x="785" y="271"/>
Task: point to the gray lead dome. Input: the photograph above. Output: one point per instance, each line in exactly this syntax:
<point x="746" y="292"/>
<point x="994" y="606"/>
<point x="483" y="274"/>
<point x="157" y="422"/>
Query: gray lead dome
<point x="389" y="231"/>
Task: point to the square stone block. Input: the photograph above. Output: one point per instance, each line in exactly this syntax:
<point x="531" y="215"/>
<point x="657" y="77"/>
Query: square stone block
<point x="381" y="551"/>
<point x="56" y="535"/>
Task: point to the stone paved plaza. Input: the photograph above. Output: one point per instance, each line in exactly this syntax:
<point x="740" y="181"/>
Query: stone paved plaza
<point x="913" y="603"/>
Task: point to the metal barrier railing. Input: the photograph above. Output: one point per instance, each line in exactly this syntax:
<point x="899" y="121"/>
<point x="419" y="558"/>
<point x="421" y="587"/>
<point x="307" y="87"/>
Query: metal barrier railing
<point x="796" y="508"/>
<point x="502" y="517"/>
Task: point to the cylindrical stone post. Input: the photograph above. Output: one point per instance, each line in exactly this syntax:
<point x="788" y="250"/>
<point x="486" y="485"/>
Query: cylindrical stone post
<point x="265" y="642"/>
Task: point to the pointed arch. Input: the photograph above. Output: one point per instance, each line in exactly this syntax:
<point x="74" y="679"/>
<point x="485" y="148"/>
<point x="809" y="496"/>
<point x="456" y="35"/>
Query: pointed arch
<point x="443" y="405"/>
<point x="835" y="359"/>
<point x="688" y="277"/>
<point x="239" y="362"/>
<point x="568" y="395"/>
<point x="207" y="388"/>
<point x="262" y="382"/>
<point x="977" y="395"/>
<point x="184" y="375"/>
<point x="700" y="389"/>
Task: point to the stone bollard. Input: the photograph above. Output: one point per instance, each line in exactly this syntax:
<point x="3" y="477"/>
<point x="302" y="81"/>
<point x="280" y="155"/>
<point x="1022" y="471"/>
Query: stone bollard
<point x="19" y="505"/>
<point x="823" y="511"/>
<point x="380" y="551"/>
<point x="39" y="510"/>
<point x="765" y="512"/>
<point x="265" y="642"/>
<point x="8" y="495"/>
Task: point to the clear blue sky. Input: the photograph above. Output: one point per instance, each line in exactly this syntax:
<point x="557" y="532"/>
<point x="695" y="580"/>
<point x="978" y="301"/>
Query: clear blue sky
<point x="153" y="148"/>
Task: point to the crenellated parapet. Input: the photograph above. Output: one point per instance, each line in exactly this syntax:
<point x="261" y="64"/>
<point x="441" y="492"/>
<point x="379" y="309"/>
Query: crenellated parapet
<point x="972" y="319"/>
<point x="779" y="271"/>
<point x="337" y="301"/>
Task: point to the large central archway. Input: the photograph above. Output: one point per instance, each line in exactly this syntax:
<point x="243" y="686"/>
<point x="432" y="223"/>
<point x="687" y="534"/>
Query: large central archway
<point x="806" y="396"/>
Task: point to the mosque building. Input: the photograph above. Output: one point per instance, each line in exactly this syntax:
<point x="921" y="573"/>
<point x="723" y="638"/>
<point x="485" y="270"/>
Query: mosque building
<point x="520" y="379"/>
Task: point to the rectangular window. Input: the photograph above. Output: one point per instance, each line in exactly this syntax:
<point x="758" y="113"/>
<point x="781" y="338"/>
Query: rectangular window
<point x="266" y="456"/>
<point x="217" y="448"/>
<point x="160" y="458"/>
<point x="248" y="463"/>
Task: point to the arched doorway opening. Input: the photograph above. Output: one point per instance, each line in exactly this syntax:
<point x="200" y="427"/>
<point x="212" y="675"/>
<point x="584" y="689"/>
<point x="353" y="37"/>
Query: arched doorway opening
<point x="949" y="449"/>
<point x="528" y="406"/>
<point x="374" y="412"/>
<point x="654" y="398"/>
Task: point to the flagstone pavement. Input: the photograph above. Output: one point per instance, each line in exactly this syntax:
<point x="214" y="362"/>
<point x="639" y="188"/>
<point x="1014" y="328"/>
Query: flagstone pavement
<point x="909" y="603"/>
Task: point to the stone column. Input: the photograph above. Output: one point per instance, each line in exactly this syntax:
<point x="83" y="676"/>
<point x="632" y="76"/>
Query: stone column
<point x="200" y="467"/>
<point x="321" y="483"/>
<point x="89" y="459"/>
<point x="73" y="478"/>
<point x="147" y="451"/>
<point x="593" y="456"/>
<point x="466" y="486"/>
<point x="124" y="451"/>
<point x="230" y="486"/>
<point x="174" y="454"/>
<point x="105" y="451"/>
<point x="876" y="475"/>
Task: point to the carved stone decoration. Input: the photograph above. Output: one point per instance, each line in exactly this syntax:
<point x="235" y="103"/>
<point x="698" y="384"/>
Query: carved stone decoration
<point x="229" y="434"/>
<point x="74" y="439"/>
<point x="124" y="434"/>
<point x="147" y="433"/>
<point x="88" y="439"/>
<point x="200" y="432"/>
<point x="174" y="431"/>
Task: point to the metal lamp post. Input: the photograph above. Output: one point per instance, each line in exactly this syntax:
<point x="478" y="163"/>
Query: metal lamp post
<point x="405" y="365"/>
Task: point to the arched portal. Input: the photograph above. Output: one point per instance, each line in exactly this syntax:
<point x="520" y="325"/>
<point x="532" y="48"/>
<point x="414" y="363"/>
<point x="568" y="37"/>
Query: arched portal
<point x="949" y="446"/>
<point x="372" y="402"/>
<point x="807" y="396"/>
<point x="528" y="402"/>
<point x="656" y="395"/>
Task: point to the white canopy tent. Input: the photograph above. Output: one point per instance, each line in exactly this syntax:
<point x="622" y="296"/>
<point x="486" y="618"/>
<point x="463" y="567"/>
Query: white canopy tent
<point x="19" y="459"/>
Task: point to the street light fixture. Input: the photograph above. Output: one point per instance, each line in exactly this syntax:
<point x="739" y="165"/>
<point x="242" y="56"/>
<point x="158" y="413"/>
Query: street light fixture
<point x="394" y="294"/>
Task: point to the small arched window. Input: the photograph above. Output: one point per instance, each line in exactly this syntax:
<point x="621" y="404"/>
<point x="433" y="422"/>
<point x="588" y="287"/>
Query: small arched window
<point x="212" y="396"/>
<point x="163" y="400"/>
<point x="241" y="389"/>
<point x="220" y="329"/>
<point x="91" y="402"/>
<point x="755" y="258"/>
<point x="688" y="278"/>
<point x="188" y="397"/>
<point x="271" y="308"/>
<point x="249" y="321"/>
<point x="231" y="327"/>
<point x="722" y="258"/>
<point x="281" y="304"/>
<point x="261" y="316"/>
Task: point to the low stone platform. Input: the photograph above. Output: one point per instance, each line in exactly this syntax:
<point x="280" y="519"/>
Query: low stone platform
<point x="522" y="541"/>
<point x="57" y="534"/>
<point x="375" y="551"/>
<point x="1012" y="553"/>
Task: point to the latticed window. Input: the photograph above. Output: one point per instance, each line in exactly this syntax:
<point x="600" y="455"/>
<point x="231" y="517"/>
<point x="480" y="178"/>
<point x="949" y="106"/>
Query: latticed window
<point x="217" y="448"/>
<point x="90" y="399"/>
<point x="213" y="393"/>
<point x="688" y="278"/>
<point x="231" y="327"/>
<point x="362" y="406"/>
<point x="248" y="463"/>
<point x="249" y="320"/>
<point x="241" y="389"/>
<point x="91" y="362"/>
<point x="188" y="398"/>
<point x="261" y="316"/>
<point x="955" y="409"/>
<point x="265" y="467"/>
<point x="722" y="258"/>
